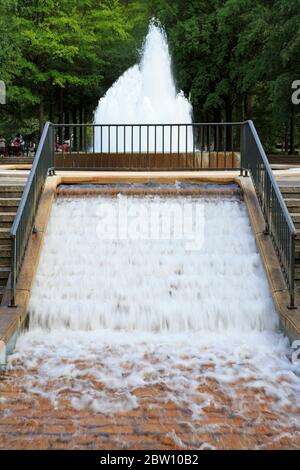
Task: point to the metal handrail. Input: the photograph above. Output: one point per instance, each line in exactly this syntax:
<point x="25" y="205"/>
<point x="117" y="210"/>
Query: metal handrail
<point x="236" y="123"/>
<point x="213" y="146"/>
<point x="273" y="180"/>
<point x="25" y="217"/>
<point x="279" y="224"/>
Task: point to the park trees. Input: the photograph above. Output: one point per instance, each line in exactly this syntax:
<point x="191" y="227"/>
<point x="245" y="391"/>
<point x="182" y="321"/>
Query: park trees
<point x="280" y="67"/>
<point x="70" y="53"/>
<point x="237" y="60"/>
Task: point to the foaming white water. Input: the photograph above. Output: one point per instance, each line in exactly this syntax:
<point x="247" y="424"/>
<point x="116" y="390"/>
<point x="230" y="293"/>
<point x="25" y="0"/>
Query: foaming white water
<point x="109" y="317"/>
<point x="150" y="285"/>
<point x="145" y="94"/>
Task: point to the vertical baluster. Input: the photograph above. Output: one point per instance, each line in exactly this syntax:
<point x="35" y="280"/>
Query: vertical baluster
<point x="186" y="147"/>
<point x="117" y="139"/>
<point x="148" y="146"/>
<point x="217" y="146"/>
<point x="178" y="145"/>
<point x="171" y="163"/>
<point x="225" y="143"/>
<point x="131" y="158"/>
<point x="232" y="145"/>
<point x="193" y="130"/>
<point x="202" y="149"/>
<point x="209" y="145"/>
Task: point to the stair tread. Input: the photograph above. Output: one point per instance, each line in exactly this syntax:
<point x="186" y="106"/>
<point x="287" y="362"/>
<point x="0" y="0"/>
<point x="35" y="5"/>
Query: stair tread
<point x="12" y="184"/>
<point x="289" y="202"/>
<point x="10" y="199"/>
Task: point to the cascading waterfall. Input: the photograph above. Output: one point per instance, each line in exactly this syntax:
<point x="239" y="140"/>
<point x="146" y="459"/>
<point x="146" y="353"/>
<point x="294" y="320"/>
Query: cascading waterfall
<point x="110" y="314"/>
<point x="145" y="94"/>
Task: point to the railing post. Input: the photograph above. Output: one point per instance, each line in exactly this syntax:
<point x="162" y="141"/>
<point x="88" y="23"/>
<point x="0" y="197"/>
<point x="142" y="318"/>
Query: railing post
<point x="52" y="144"/>
<point x="243" y="149"/>
<point x="267" y="203"/>
<point x="292" y="274"/>
<point x="13" y="272"/>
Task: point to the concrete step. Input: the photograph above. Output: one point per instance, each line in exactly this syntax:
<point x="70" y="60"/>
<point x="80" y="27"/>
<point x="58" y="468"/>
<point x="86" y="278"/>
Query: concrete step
<point x="16" y="160"/>
<point x="295" y="219"/>
<point x="5" y="251"/>
<point x="297" y="273"/>
<point x="4" y="236"/>
<point x="4" y="275"/>
<point x="293" y="205"/>
<point x="9" y="204"/>
<point x="6" y="219"/>
<point x="11" y="191"/>
<point x="5" y="262"/>
<point x="290" y="192"/>
<point x="285" y="158"/>
<point x="297" y="245"/>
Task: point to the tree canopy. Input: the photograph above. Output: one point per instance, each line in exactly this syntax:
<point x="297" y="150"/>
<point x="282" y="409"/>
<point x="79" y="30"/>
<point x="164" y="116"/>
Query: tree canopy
<point x="236" y="59"/>
<point x="64" y="55"/>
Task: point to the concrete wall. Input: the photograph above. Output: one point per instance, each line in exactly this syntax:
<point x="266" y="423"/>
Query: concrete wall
<point x="151" y="161"/>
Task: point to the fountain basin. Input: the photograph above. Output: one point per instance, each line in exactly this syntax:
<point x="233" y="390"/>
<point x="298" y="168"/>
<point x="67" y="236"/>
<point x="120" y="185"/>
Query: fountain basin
<point x="12" y="321"/>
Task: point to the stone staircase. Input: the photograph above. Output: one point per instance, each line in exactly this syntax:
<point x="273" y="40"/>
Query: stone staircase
<point x="11" y="191"/>
<point x="291" y="196"/>
<point x="22" y="160"/>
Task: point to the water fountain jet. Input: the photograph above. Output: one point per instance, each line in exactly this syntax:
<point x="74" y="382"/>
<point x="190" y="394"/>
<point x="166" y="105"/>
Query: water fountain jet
<point x="146" y="94"/>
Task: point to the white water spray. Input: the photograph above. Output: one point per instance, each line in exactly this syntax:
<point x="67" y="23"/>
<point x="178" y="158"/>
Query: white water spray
<point x="145" y="94"/>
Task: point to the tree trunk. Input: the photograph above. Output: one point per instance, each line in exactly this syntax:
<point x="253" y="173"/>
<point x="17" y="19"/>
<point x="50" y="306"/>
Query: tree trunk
<point x="286" y="139"/>
<point x="75" y="133"/>
<point x="51" y="106"/>
<point x="250" y="99"/>
<point x="229" y="134"/>
<point x="240" y="117"/>
<point x="81" y="128"/>
<point x="66" y="120"/>
<point x="41" y="117"/>
<point x="61" y="114"/>
<point x="292" y="134"/>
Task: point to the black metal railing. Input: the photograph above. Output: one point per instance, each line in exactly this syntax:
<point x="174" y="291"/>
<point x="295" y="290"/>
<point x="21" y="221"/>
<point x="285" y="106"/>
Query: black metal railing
<point x="204" y="146"/>
<point x="279" y="224"/>
<point x="25" y="217"/>
<point x="211" y="146"/>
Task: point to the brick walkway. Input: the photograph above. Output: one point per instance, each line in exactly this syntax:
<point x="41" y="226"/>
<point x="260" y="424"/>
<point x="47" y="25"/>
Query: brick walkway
<point x="30" y="422"/>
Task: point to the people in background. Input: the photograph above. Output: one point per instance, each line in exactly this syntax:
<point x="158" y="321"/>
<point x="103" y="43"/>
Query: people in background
<point x="65" y="147"/>
<point x="31" y="149"/>
<point x="2" y="146"/>
<point x="17" y="145"/>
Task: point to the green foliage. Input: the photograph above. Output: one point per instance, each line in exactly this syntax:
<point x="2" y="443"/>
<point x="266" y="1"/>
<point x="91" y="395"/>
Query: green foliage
<point x="236" y="59"/>
<point x="67" y="53"/>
